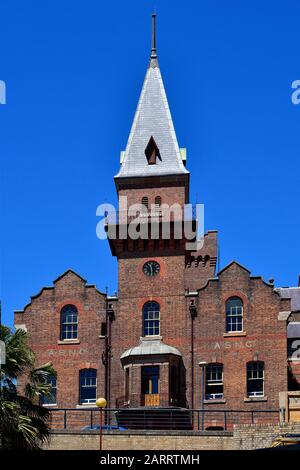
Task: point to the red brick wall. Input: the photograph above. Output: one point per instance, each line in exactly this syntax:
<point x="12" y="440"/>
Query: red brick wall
<point x="42" y="320"/>
<point x="201" y="265"/>
<point x="135" y="289"/>
<point x="169" y="195"/>
<point x="295" y="369"/>
<point x="264" y="335"/>
<point x="264" y="338"/>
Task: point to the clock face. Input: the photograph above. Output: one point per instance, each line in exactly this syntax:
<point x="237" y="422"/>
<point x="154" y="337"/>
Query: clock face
<point x="151" y="268"/>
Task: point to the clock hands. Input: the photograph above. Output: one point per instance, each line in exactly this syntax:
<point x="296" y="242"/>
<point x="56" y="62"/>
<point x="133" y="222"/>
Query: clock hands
<point x="151" y="268"/>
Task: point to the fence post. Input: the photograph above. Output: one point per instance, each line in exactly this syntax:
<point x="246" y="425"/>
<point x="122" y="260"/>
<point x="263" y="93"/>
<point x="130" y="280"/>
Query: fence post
<point x="252" y="417"/>
<point x="65" y="419"/>
<point x="225" y="420"/>
<point x="91" y="419"/>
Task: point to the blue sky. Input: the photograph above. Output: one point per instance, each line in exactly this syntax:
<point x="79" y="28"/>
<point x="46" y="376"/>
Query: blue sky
<point x="74" y="71"/>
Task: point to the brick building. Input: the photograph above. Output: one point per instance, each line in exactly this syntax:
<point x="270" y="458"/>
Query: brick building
<point x="178" y="334"/>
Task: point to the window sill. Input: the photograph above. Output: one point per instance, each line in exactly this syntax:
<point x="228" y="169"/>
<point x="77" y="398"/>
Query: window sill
<point x="150" y="338"/>
<point x="254" y="399"/>
<point x="234" y="334"/>
<point x="68" y="341"/>
<point x="293" y="359"/>
<point x="51" y="405"/>
<point x="102" y="336"/>
<point x="214" y="401"/>
<point x="87" y="405"/>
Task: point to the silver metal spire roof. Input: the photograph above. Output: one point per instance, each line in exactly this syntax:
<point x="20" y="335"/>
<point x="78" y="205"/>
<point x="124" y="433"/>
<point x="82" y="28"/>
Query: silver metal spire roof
<point x="152" y="119"/>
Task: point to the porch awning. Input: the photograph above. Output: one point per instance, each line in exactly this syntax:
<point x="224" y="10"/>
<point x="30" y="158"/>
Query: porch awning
<point x="150" y="347"/>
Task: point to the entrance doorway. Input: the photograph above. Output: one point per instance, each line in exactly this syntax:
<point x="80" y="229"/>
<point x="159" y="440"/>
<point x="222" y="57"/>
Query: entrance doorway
<point x="150" y="386"/>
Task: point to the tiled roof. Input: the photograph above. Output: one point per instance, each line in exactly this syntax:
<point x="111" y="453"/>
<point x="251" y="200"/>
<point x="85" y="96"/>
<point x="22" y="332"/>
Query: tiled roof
<point x="152" y="119"/>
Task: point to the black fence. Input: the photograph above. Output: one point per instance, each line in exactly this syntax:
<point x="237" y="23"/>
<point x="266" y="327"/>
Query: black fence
<point x="88" y="419"/>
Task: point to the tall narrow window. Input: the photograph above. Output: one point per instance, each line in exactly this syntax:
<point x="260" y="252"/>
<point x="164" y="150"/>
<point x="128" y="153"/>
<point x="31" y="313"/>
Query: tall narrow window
<point x="69" y="322"/>
<point x="214" y="381"/>
<point x="157" y="202"/>
<point x="51" y="398"/>
<point x="88" y="386"/>
<point x="255" y="379"/>
<point x="151" y="319"/>
<point x="145" y="203"/>
<point x="103" y="330"/>
<point x="234" y="315"/>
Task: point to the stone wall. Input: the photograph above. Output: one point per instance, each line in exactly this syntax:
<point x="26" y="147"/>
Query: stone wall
<point x="244" y="437"/>
<point x="252" y="436"/>
<point x="130" y="440"/>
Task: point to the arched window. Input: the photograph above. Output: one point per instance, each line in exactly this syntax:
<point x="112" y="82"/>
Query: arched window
<point x="157" y="202"/>
<point x="68" y="322"/>
<point x="213" y="381"/>
<point x="234" y="315"/>
<point x="145" y="203"/>
<point x="151" y="319"/>
<point x="87" y="386"/>
<point x="51" y="398"/>
<point x="255" y="379"/>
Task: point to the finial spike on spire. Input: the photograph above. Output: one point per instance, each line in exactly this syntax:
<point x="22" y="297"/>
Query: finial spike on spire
<point x="153" y="50"/>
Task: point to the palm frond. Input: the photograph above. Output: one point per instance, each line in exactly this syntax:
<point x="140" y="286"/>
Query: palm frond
<point x="24" y="424"/>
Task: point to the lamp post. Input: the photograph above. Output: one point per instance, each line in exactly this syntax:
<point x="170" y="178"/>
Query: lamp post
<point x="101" y="403"/>
<point x="202" y="364"/>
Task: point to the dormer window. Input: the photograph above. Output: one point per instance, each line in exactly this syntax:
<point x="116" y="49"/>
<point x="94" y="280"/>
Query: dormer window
<point x="152" y="152"/>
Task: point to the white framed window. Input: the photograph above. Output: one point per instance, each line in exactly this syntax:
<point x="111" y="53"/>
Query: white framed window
<point x="88" y="386"/>
<point x="151" y="319"/>
<point x="255" y="379"/>
<point x="68" y="322"/>
<point x="214" y="381"/>
<point x="234" y="315"/>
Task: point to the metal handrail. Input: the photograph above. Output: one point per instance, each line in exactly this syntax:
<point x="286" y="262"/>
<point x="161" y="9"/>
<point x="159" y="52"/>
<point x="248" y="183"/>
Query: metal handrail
<point x="158" y="418"/>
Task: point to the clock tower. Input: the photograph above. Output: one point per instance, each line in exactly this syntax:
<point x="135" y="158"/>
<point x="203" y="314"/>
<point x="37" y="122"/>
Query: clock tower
<point x="151" y="333"/>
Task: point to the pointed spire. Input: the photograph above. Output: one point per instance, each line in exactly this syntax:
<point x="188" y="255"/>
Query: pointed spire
<point x="160" y="155"/>
<point x="153" y="50"/>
